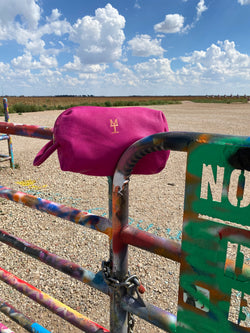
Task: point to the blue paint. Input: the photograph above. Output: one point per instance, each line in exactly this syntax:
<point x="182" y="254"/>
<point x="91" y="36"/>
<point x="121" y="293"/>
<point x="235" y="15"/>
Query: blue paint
<point x="149" y="227"/>
<point x="246" y="312"/>
<point x="36" y="328"/>
<point x="138" y="224"/>
<point x="131" y="221"/>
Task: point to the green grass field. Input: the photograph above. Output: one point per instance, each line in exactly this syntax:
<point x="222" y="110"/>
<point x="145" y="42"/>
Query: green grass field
<point x="24" y="104"/>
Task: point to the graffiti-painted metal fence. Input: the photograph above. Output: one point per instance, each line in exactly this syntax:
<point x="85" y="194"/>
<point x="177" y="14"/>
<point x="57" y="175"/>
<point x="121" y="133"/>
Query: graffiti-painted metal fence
<point x="10" y="156"/>
<point x="216" y="215"/>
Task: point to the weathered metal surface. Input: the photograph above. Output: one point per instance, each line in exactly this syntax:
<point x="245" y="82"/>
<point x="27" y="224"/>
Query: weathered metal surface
<point x="119" y="316"/>
<point x="10" y="146"/>
<point x="151" y="313"/>
<point x="4" y="158"/>
<point x="60" y="309"/>
<point x="5" y="329"/>
<point x="75" y="271"/>
<point x="67" y="213"/>
<point x="151" y="243"/>
<point x="21" y="319"/>
<point x="41" y="132"/>
<point x="177" y="141"/>
<point x="4" y="137"/>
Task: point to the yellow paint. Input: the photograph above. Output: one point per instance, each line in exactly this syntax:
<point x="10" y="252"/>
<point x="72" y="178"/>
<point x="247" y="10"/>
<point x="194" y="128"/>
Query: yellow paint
<point x="31" y="184"/>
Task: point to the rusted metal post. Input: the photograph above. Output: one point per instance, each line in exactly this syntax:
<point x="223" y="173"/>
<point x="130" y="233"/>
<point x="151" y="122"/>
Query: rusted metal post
<point x="119" y="264"/>
<point x="10" y="146"/>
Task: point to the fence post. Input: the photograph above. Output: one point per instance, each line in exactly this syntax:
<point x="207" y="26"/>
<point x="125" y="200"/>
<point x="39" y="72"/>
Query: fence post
<point x="119" y="264"/>
<point x="10" y="147"/>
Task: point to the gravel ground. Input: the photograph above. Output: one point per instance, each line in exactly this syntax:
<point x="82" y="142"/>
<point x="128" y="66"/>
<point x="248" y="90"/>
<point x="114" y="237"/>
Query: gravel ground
<point x="156" y="204"/>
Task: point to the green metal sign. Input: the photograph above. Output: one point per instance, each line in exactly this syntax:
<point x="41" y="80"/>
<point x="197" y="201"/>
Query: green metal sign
<point x="214" y="275"/>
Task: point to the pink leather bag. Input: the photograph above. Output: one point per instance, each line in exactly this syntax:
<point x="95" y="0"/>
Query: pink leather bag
<point x="90" y="140"/>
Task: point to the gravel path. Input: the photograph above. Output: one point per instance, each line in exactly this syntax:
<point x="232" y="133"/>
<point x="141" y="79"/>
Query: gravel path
<point x="156" y="204"/>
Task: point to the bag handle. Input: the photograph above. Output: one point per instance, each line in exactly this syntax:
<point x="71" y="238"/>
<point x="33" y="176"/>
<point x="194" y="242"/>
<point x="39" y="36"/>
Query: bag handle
<point x="45" y="152"/>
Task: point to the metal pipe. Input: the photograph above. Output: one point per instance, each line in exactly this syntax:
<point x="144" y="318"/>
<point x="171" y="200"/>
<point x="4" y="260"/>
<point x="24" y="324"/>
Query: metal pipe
<point x="55" y="306"/>
<point x="150" y="313"/>
<point x="151" y="243"/>
<point x="4" y="137"/>
<point x="88" y="220"/>
<point x="119" y="316"/>
<point x="21" y="319"/>
<point x="5" y="329"/>
<point x="177" y="141"/>
<point x="41" y="132"/>
<point x="75" y="271"/>
<point x="10" y="146"/>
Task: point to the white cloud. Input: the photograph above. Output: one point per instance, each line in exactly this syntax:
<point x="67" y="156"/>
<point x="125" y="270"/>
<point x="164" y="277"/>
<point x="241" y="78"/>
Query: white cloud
<point x="244" y="2"/>
<point x="99" y="41"/>
<point x="54" y="15"/>
<point x="28" y="11"/>
<point x="173" y="23"/>
<point x="57" y="27"/>
<point x="137" y="4"/>
<point x="100" y="37"/>
<point x="48" y="62"/>
<point x="218" y="68"/>
<point x="201" y="7"/>
<point x="35" y="46"/>
<point x="26" y="62"/>
<point x="155" y="69"/>
<point x="73" y="66"/>
<point x="145" y="46"/>
<point x="4" y="68"/>
<point x="19" y="21"/>
<point x="77" y="66"/>
<point x="218" y="63"/>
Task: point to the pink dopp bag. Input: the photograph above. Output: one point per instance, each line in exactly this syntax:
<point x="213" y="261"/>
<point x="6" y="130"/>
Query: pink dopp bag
<point x="90" y="139"/>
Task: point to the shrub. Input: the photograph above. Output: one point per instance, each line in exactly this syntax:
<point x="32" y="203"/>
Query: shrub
<point x="120" y="103"/>
<point x="22" y="108"/>
<point x="1" y="110"/>
<point x="108" y="104"/>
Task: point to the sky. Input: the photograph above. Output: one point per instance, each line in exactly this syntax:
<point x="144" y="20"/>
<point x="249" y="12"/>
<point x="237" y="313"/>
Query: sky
<point x="124" y="48"/>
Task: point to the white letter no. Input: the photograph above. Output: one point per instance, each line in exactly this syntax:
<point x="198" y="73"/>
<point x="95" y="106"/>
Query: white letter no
<point x="232" y="192"/>
<point x="208" y="179"/>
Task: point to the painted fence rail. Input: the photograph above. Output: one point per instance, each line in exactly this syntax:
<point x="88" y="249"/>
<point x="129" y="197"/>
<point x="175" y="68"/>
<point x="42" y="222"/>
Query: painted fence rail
<point x="212" y="221"/>
<point x="20" y="318"/>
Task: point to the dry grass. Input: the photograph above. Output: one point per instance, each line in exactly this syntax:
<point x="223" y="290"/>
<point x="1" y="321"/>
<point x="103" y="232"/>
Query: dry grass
<point x="68" y="100"/>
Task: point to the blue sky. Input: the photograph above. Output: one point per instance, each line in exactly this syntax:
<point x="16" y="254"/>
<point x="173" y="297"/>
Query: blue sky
<point x="132" y="47"/>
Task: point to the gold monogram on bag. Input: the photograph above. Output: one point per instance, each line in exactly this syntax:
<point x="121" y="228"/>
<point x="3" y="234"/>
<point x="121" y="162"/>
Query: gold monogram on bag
<point x="114" y="124"/>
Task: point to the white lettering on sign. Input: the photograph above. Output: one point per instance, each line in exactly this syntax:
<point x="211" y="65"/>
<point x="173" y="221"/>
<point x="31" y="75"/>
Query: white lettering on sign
<point x="216" y="185"/>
